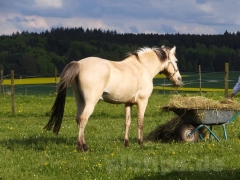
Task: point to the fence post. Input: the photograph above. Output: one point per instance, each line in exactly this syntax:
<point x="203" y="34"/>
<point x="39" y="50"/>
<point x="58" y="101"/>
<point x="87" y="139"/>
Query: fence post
<point x="164" y="85"/>
<point x="12" y="93"/>
<point x="55" y="80"/>
<point x="200" y="79"/>
<point x="226" y="79"/>
<point x="1" y="75"/>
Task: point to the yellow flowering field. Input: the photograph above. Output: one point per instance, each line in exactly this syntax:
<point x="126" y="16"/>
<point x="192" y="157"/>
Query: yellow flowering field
<point x="23" y="81"/>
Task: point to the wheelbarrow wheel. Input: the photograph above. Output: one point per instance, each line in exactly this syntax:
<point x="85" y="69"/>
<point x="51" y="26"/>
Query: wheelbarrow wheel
<point x="185" y="131"/>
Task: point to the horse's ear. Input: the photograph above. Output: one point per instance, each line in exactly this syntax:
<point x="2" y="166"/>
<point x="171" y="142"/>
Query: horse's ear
<point x="172" y="51"/>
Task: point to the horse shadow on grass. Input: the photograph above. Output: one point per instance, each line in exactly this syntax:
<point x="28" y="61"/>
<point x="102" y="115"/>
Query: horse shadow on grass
<point x="39" y="143"/>
<point x="196" y="174"/>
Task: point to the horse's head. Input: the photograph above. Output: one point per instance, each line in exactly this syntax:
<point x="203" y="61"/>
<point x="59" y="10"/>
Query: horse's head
<point x="171" y="69"/>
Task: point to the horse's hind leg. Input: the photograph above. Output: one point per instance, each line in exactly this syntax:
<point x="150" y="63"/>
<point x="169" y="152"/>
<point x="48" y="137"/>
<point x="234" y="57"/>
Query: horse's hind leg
<point x="81" y="143"/>
<point x="141" y="110"/>
<point x="128" y="109"/>
<point x="83" y="113"/>
<point x="84" y="110"/>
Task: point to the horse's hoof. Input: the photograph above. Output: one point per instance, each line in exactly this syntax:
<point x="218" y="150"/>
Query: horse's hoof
<point x="85" y="147"/>
<point x="82" y="147"/>
<point x="140" y="142"/>
<point x="126" y="143"/>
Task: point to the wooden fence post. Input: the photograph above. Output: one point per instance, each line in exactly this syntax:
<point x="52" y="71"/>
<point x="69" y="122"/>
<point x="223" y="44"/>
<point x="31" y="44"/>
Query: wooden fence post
<point x="226" y="79"/>
<point x="12" y="93"/>
<point x="164" y="85"/>
<point x="55" y="80"/>
<point x="200" y="79"/>
<point x="1" y="75"/>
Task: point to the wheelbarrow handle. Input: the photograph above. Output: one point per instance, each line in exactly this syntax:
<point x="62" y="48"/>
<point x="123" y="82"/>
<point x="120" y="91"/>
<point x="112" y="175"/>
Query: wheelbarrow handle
<point x="230" y="120"/>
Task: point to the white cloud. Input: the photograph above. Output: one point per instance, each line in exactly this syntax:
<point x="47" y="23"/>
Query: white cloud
<point x="16" y="22"/>
<point x="34" y="22"/>
<point x="9" y="27"/>
<point x="195" y="29"/>
<point x="143" y="16"/>
<point x="206" y="8"/>
<point x="49" y="3"/>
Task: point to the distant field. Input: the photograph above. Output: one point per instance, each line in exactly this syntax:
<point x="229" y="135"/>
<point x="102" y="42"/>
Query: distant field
<point x="33" y="86"/>
<point x="210" y="82"/>
<point x="24" y="81"/>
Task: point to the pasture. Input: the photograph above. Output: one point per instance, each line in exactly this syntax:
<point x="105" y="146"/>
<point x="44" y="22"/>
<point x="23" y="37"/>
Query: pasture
<point x="29" y="152"/>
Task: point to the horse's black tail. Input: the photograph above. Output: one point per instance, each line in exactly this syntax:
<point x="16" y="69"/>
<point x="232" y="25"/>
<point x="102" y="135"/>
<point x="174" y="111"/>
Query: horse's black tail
<point x="70" y="72"/>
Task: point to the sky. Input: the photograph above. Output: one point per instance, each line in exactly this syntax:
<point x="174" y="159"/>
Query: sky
<point x="124" y="16"/>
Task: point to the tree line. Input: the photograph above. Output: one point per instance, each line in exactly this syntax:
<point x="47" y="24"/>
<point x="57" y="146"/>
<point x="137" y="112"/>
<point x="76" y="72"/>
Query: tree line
<point x="40" y="53"/>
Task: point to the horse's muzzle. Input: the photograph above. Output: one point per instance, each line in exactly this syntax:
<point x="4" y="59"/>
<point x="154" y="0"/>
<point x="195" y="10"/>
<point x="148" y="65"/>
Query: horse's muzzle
<point x="178" y="81"/>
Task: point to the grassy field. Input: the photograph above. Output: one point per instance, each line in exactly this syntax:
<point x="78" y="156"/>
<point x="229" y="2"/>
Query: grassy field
<point x="29" y="152"/>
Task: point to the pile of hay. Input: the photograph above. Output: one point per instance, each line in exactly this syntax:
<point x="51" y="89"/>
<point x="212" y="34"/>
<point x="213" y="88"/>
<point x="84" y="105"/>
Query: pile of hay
<point x="170" y="130"/>
<point x="166" y="132"/>
<point x="200" y="102"/>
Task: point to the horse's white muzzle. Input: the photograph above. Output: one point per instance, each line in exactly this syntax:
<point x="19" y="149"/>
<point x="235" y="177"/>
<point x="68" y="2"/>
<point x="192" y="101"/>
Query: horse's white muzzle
<point x="177" y="80"/>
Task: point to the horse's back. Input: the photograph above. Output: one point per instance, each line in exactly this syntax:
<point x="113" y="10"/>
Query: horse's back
<point x="93" y="64"/>
<point x="93" y="72"/>
<point x="94" y="68"/>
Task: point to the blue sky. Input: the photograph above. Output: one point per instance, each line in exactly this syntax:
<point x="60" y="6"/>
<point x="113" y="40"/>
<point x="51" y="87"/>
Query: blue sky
<point x="124" y="16"/>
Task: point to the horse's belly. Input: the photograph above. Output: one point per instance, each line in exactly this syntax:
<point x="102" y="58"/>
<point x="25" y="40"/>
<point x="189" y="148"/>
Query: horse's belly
<point x="114" y="99"/>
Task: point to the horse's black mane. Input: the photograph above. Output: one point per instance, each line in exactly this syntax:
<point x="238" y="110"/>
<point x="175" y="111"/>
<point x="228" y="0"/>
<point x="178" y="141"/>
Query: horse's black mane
<point x="135" y="53"/>
<point x="160" y="51"/>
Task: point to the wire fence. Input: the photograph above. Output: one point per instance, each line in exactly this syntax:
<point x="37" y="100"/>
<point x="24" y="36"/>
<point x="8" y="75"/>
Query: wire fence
<point x="46" y="84"/>
<point x="215" y="80"/>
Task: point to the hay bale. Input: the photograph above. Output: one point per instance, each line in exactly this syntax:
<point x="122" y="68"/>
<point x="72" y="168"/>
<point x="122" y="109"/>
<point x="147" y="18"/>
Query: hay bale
<point x="200" y="102"/>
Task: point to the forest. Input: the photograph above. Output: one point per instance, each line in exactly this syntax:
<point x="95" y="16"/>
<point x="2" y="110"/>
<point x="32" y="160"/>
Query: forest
<point x="31" y="54"/>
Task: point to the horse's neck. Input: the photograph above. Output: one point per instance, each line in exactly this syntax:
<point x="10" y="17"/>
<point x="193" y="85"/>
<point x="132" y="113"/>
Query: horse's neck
<point x="153" y="65"/>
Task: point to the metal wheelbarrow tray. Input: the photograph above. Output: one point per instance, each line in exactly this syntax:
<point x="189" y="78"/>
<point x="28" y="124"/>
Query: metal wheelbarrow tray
<point x="197" y="118"/>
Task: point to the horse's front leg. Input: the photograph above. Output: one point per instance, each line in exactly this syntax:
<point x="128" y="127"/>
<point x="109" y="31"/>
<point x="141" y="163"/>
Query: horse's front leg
<point x="128" y="109"/>
<point x="141" y="110"/>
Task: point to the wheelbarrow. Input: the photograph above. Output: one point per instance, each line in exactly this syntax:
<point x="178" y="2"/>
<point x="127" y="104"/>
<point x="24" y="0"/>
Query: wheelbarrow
<point x="194" y="119"/>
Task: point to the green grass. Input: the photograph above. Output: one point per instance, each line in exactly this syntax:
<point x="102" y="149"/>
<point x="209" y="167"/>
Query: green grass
<point x="29" y="152"/>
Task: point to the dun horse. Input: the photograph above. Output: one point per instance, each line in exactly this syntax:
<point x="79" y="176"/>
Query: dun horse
<point x="129" y="81"/>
